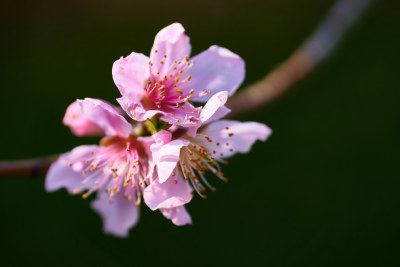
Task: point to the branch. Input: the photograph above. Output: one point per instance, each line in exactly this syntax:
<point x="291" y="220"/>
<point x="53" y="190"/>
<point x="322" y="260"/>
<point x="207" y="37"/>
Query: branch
<point x="30" y="167"/>
<point x="300" y="64"/>
<point x="314" y="50"/>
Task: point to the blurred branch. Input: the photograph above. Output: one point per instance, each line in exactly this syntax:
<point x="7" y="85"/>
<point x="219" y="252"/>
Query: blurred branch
<point x="29" y="167"/>
<point x="314" y="50"/>
<point x="301" y="63"/>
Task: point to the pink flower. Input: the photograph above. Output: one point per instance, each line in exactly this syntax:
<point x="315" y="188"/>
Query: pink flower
<point x="117" y="168"/>
<point x="182" y="163"/>
<point x="166" y="82"/>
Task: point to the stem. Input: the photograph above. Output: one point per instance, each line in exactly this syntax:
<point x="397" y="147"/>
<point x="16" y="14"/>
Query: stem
<point x="30" y="167"/>
<point x="313" y="51"/>
<point x="300" y="64"/>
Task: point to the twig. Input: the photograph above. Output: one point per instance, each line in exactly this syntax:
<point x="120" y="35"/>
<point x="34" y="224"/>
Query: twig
<point x="317" y="48"/>
<point x="30" y="167"/>
<point x="313" y="51"/>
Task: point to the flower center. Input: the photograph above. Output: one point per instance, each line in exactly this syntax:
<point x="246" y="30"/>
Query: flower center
<point x="195" y="160"/>
<point x="167" y="88"/>
<point x="118" y="166"/>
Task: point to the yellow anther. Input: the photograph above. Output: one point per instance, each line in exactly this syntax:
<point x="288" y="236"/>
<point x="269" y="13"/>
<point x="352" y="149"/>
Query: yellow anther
<point x="186" y="58"/>
<point x="157" y="72"/>
<point x="84" y="196"/>
<point x="179" y="91"/>
<point x="70" y="164"/>
<point x="180" y="71"/>
<point x="191" y="90"/>
<point x="213" y="189"/>
<point x="137" y="203"/>
<point x="161" y="62"/>
<point x="188" y="78"/>
<point x="165" y="56"/>
<point x="155" y="51"/>
<point x="176" y="79"/>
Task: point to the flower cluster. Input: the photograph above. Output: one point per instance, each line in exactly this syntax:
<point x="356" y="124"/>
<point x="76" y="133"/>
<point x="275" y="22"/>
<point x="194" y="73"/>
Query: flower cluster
<point x="158" y="146"/>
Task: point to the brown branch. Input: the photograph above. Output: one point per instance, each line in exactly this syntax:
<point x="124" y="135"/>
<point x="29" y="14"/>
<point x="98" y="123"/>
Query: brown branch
<point x="317" y="48"/>
<point x="30" y="167"/>
<point x="314" y="50"/>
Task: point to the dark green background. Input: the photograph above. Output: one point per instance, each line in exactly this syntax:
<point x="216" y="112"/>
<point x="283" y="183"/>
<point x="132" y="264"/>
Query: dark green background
<point x="323" y="191"/>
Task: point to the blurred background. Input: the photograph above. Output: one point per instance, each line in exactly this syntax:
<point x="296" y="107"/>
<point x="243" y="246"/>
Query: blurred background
<point x="322" y="191"/>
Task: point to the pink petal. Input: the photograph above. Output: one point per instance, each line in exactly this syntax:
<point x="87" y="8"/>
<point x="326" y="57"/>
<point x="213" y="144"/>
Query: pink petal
<point x="106" y="116"/>
<point x="185" y="117"/>
<point x="168" y="156"/>
<point x="135" y="109"/>
<point x="216" y="69"/>
<point x="238" y="138"/>
<point x="213" y="110"/>
<point x="179" y="215"/>
<point x="78" y="123"/>
<point x="170" y="194"/>
<point x="172" y="42"/>
<point x="119" y="216"/>
<point x="130" y="74"/>
<point x="67" y="170"/>
<point x="157" y="141"/>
